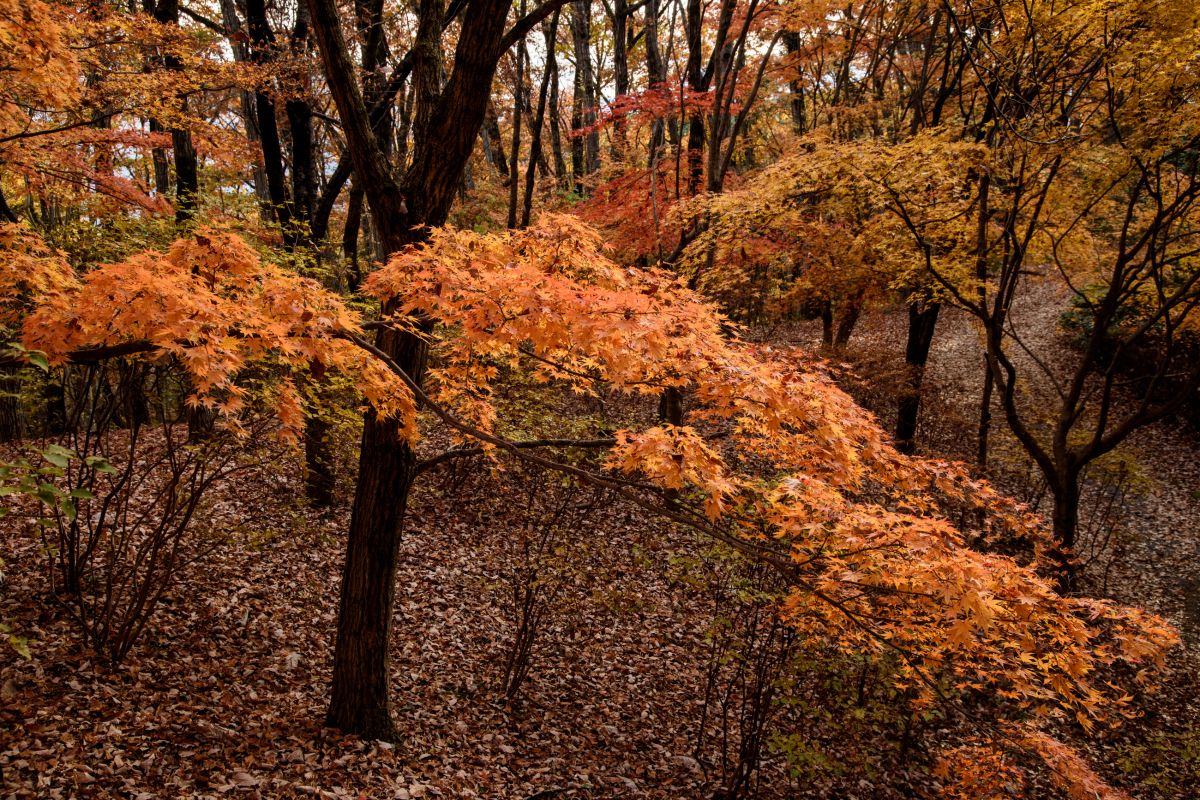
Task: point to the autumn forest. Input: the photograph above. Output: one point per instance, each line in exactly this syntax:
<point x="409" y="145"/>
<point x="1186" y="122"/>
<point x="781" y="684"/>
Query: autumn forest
<point x="719" y="399"/>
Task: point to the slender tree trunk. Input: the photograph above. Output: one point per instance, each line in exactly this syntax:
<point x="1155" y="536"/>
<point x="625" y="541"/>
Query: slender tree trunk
<point x="535" y="143"/>
<point x="656" y="71"/>
<point x="981" y="272"/>
<point x="620" y="28"/>
<point x="985" y="416"/>
<point x="354" y="209"/>
<point x="585" y="149"/>
<point x="263" y="51"/>
<point x="11" y="427"/>
<point x="556" y="147"/>
<point x="518" y="106"/>
<point x="491" y="127"/>
<point x="922" y="321"/>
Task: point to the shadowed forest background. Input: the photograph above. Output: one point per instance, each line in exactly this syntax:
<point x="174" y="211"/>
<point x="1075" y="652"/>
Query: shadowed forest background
<point x="675" y="398"/>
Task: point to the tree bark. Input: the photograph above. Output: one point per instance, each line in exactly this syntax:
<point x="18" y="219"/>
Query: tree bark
<point x="518" y="107"/>
<point x="585" y="147"/>
<point x="922" y="321"/>
<point x="1066" y="523"/>
<point x="446" y="125"/>
<point x="11" y="427"/>
<point x="535" y="142"/>
<point x="560" y="163"/>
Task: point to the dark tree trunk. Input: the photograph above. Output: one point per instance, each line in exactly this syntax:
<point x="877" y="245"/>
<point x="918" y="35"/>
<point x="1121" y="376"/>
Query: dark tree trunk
<point x="560" y="163"/>
<point x="241" y="54"/>
<point x="360" y="699"/>
<point x="11" y="427"/>
<point x="496" y="142"/>
<point x="1065" y="489"/>
<point x="187" y="181"/>
<point x="922" y="321"/>
<point x="535" y="143"/>
<point x="985" y="417"/>
<point x="620" y="22"/>
<point x="518" y="108"/>
<point x="447" y="123"/>
<point x="354" y="209"/>
<point x="263" y="51"/>
<point x="791" y="43"/>
<point x="656" y="71"/>
<point x="585" y="149"/>
<point x="56" y="402"/>
<point x="827" y="323"/>
<point x="162" y="167"/>
<point x="848" y="316"/>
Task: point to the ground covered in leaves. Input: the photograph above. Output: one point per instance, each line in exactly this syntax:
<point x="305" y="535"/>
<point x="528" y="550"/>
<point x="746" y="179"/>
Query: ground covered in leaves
<point x="629" y="691"/>
<point x="226" y="693"/>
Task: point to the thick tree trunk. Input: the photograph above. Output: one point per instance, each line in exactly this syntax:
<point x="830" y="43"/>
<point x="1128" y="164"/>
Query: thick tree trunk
<point x="447" y="122"/>
<point x="827" y="323"/>
<point x="922" y="321"/>
<point x="1065" y="489"/>
<point x="360" y="700"/>
<point x="848" y="316"/>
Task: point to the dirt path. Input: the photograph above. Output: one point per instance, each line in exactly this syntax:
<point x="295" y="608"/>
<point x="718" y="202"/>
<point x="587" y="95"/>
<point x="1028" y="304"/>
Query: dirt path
<point x="1152" y="559"/>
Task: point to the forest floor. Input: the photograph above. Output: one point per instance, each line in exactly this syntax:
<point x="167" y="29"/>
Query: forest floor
<point x="225" y="695"/>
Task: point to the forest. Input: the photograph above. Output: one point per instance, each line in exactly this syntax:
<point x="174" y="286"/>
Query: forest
<point x="719" y="399"/>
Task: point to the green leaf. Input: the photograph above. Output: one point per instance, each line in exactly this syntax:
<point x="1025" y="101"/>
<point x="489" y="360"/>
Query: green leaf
<point x="100" y="464"/>
<point x="82" y="494"/>
<point x="21" y="645"/>
<point x="38" y="359"/>
<point x="58" y="455"/>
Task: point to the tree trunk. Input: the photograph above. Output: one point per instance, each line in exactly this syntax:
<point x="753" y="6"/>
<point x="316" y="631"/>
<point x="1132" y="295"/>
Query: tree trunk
<point x="360" y="700"/>
<point x="1065" y="489"/>
<point x="495" y="139"/>
<point x="585" y="149"/>
<point x="791" y="43"/>
<point x="560" y="163"/>
<point x="263" y="51"/>
<point x="514" y="186"/>
<point x="656" y="71"/>
<point x="535" y="142"/>
<point x="850" y="311"/>
<point x="446" y="125"/>
<point x="922" y="320"/>
<point x="985" y="417"/>
<point x="10" y="404"/>
<point x="620" y="20"/>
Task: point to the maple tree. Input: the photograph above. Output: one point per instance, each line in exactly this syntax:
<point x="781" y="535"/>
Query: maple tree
<point x="859" y="532"/>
